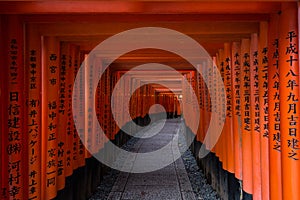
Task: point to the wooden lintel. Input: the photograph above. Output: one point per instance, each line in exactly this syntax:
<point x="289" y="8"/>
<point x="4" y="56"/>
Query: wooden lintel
<point x="152" y="7"/>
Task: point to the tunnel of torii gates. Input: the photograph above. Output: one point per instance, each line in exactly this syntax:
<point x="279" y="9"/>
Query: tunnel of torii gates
<point x="255" y="46"/>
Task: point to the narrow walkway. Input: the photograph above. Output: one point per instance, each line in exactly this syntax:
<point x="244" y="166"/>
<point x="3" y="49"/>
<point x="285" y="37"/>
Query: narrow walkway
<point x="171" y="182"/>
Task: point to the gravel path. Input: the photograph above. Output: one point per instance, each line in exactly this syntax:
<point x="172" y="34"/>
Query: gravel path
<point x="199" y="184"/>
<point x="110" y="177"/>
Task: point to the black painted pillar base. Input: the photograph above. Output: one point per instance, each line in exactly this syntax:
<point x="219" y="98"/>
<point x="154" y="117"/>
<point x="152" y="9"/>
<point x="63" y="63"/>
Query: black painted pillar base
<point x="224" y="182"/>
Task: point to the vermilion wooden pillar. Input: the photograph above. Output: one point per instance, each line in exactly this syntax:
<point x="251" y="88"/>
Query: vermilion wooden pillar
<point x="209" y="100"/>
<point x="135" y="102"/>
<point x="236" y="107"/>
<point x="69" y="134"/>
<point x="3" y="115"/>
<point x="132" y="109"/>
<point x="116" y="102"/>
<point x="81" y="109"/>
<point x="206" y="106"/>
<point x="255" y="110"/>
<point x="90" y="75"/>
<point x="246" y="116"/>
<point x="289" y="100"/>
<point x="63" y="141"/>
<point x="15" y="140"/>
<point x="98" y="98"/>
<point x="219" y="144"/>
<point x="125" y="94"/>
<point x="50" y="102"/>
<point x="274" y="110"/>
<point x="71" y="70"/>
<point x="80" y="147"/>
<point x="204" y="112"/>
<point x="107" y="96"/>
<point x="199" y="134"/>
<point x="87" y="79"/>
<point x="223" y="138"/>
<point x="264" y="109"/>
<point x="218" y="97"/>
<point x="214" y="101"/>
<point x="229" y="109"/>
<point x="142" y="101"/>
<point x="121" y="99"/>
<point x="33" y="83"/>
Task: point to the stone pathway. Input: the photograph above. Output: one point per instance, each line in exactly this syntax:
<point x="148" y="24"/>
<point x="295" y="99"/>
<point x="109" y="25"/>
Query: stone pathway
<point x="170" y="182"/>
<point x="180" y="180"/>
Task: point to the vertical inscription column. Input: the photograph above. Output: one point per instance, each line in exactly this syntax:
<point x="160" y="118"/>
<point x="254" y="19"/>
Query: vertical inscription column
<point x="81" y="109"/>
<point x="214" y="103"/>
<point x="16" y="141"/>
<point x="246" y="116"/>
<point x="33" y="101"/>
<point x="209" y="105"/>
<point x="236" y="106"/>
<point x="62" y="116"/>
<point x="289" y="100"/>
<point x="228" y="87"/>
<point x="3" y="119"/>
<point x="50" y="103"/>
<point x="254" y="109"/>
<point x="74" y="68"/>
<point x="274" y="110"/>
<point x="223" y="139"/>
<point x="264" y="108"/>
<point x="199" y="135"/>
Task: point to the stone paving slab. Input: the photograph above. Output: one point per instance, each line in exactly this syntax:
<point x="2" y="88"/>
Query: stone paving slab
<point x="153" y="179"/>
<point x="152" y="193"/>
<point x="188" y="196"/>
<point x="115" y="196"/>
<point x="121" y="181"/>
<point x="168" y="170"/>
